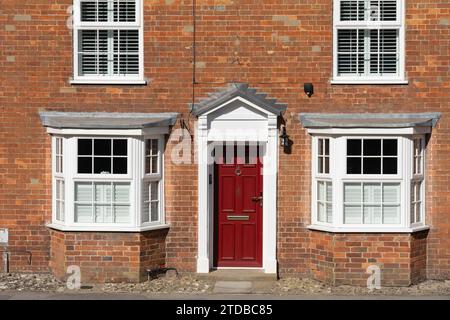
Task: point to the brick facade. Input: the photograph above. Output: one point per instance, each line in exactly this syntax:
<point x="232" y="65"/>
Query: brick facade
<point x="275" y="46"/>
<point x="107" y="256"/>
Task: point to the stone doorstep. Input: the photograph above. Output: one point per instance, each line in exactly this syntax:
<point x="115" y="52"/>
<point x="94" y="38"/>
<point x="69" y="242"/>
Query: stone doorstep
<point x="243" y="287"/>
<point x="238" y="275"/>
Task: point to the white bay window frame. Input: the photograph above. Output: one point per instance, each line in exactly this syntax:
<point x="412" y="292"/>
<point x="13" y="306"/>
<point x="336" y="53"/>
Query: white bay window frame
<point x="79" y="25"/>
<point x="367" y="78"/>
<point x="135" y="176"/>
<point x="338" y="177"/>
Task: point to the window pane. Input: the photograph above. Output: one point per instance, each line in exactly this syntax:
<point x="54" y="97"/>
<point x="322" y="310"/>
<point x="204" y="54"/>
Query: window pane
<point x="120" y="147"/>
<point x="102" y="192"/>
<point x="83" y="213"/>
<point x="389" y="165"/>
<point x="121" y="192"/>
<point x="120" y="165"/>
<point x="391" y="193"/>
<point x="329" y="213"/>
<point x="329" y="191"/>
<point x="352" y="214"/>
<point x="391" y="214"/>
<point x="102" y="147"/>
<point x="372" y="147"/>
<point x="320" y="165"/>
<point x="320" y="147"/>
<point x="353" y="165"/>
<point x="321" y="190"/>
<point x="122" y="213"/>
<point x="353" y="147"/>
<point x="352" y="192"/>
<point x="155" y="211"/>
<point x="103" y="213"/>
<point x="372" y="214"/>
<point x="327" y="165"/>
<point x="84" y="165"/>
<point x="83" y="192"/>
<point x="102" y="165"/>
<point x="372" y="192"/>
<point x="321" y="214"/>
<point x="84" y="147"/>
<point x="372" y="165"/>
<point x="390" y="147"/>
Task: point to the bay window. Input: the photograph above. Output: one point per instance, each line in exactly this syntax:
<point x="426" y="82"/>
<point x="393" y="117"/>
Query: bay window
<point x="368" y="170"/>
<point x="107" y="170"/>
<point x="108" y="41"/>
<point x="366" y="184"/>
<point x="368" y="41"/>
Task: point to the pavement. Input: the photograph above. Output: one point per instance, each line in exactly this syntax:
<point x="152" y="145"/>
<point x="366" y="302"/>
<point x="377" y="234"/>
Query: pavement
<point x="77" y="295"/>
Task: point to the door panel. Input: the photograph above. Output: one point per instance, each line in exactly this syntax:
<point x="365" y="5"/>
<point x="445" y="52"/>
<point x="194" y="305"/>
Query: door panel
<point x="238" y="218"/>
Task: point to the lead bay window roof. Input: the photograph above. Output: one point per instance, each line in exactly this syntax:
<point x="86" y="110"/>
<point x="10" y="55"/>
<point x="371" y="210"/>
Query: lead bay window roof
<point x="369" y="120"/>
<point x="106" y="120"/>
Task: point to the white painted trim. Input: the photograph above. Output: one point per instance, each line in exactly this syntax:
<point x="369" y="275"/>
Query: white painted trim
<point x="366" y="230"/>
<point x="106" y="229"/>
<point x="366" y="81"/>
<point x="206" y="207"/>
<point x="111" y="81"/>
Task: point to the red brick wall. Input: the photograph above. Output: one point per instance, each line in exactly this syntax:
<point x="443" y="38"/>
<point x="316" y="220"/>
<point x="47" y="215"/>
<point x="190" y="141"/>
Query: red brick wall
<point x="344" y="258"/>
<point x="107" y="256"/>
<point x="275" y="46"/>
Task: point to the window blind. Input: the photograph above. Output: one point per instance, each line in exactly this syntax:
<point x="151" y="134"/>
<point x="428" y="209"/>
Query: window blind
<point x="108" y="11"/>
<point x="365" y="10"/>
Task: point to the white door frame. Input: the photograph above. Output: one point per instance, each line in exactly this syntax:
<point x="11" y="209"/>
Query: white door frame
<point x="265" y="123"/>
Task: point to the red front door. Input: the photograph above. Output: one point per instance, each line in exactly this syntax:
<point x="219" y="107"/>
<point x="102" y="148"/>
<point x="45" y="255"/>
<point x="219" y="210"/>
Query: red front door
<point x="239" y="211"/>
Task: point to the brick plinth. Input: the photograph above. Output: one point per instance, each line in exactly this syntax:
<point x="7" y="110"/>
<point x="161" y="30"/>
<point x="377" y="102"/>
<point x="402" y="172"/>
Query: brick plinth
<point x="107" y="256"/>
<point x="343" y="258"/>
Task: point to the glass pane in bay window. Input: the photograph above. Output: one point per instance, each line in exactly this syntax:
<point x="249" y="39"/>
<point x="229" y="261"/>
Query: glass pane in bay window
<point x="83" y="192"/>
<point x="321" y="214"/>
<point x="372" y="165"/>
<point x="391" y="193"/>
<point x="102" y="192"/>
<point x="103" y="213"/>
<point x="320" y="168"/>
<point x="329" y="213"/>
<point x="372" y="214"/>
<point x="83" y="213"/>
<point x="155" y="211"/>
<point x="121" y="213"/>
<point x="390" y="147"/>
<point x="353" y="147"/>
<point x="84" y="165"/>
<point x="391" y="214"/>
<point x="390" y="165"/>
<point x="418" y="212"/>
<point x="352" y="192"/>
<point x="121" y="192"/>
<point x="321" y="190"/>
<point x="329" y="191"/>
<point x="102" y="165"/>
<point x="353" y="165"/>
<point x="372" y="193"/>
<point x="84" y="147"/>
<point x="102" y="147"/>
<point x="120" y="147"/>
<point x="372" y="147"/>
<point x="352" y="214"/>
<point x="120" y="165"/>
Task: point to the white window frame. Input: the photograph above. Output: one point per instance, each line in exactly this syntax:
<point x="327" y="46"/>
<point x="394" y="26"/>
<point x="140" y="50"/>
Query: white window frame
<point x="338" y="175"/>
<point x="80" y="25"/>
<point x="419" y="177"/>
<point x="58" y="175"/>
<point x="135" y="176"/>
<point x="398" y="24"/>
<point x="154" y="177"/>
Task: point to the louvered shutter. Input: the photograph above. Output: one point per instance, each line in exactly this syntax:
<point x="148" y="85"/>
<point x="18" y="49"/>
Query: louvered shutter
<point x="108" y="11"/>
<point x="368" y="10"/>
<point x="383" y="51"/>
<point x="350" y="51"/>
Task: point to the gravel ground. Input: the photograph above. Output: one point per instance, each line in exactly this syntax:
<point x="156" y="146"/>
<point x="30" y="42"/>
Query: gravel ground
<point x="189" y="284"/>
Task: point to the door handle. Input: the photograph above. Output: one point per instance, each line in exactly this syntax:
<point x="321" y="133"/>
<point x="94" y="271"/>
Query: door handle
<point x="256" y="199"/>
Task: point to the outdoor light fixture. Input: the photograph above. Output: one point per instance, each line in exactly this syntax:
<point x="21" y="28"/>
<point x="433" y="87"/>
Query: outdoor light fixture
<point x="309" y="89"/>
<point x="284" y="138"/>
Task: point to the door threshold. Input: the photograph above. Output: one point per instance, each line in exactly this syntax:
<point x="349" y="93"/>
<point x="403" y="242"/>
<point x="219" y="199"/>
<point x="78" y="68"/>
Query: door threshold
<point x="238" y="268"/>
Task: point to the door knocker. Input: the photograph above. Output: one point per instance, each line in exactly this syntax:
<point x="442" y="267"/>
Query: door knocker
<point x="238" y="171"/>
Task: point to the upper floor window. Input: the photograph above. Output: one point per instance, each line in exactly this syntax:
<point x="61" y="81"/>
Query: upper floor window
<point x="108" y="41"/>
<point x="368" y="41"/>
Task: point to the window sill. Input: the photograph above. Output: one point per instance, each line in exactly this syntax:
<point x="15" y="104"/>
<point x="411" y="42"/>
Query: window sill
<point x="106" y="229"/>
<point x="108" y="82"/>
<point x="367" y="229"/>
<point x="380" y="81"/>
